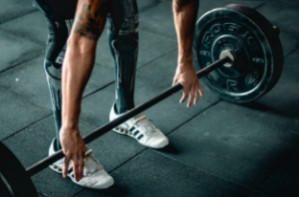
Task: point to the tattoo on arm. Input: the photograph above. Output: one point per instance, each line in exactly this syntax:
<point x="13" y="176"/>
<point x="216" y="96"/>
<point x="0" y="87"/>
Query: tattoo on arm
<point x="91" y="19"/>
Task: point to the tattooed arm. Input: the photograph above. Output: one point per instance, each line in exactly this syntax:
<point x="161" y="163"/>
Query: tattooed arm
<point x="79" y="60"/>
<point x="185" y="12"/>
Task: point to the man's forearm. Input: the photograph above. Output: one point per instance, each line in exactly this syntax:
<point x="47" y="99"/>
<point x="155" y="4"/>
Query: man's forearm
<point x="185" y="13"/>
<point x="79" y="59"/>
<point x="76" y="70"/>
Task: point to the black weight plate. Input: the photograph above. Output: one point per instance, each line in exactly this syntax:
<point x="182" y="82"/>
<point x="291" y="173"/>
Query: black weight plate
<point x="256" y="44"/>
<point x="14" y="180"/>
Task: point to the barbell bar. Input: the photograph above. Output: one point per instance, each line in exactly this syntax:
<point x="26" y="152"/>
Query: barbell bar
<point x="243" y="46"/>
<point x="110" y="125"/>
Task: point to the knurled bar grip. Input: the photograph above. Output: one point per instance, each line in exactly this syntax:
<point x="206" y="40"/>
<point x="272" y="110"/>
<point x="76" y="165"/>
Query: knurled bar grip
<point x="44" y="163"/>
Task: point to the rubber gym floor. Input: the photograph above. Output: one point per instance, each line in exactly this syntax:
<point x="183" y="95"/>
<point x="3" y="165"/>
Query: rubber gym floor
<point x="217" y="148"/>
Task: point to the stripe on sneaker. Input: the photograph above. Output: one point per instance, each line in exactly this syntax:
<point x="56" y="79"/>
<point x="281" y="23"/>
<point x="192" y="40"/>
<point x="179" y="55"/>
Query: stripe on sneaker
<point x="132" y="129"/>
<point x="136" y="132"/>
<point x="140" y="137"/>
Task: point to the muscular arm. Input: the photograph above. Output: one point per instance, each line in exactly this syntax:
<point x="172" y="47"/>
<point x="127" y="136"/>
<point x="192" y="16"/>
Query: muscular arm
<point x="78" y="63"/>
<point x="89" y="22"/>
<point x="185" y="13"/>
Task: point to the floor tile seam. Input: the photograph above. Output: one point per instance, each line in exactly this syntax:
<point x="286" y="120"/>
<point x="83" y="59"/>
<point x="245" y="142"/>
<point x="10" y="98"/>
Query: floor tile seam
<point x="19" y="16"/>
<point x="195" y="116"/>
<point x="27" y="126"/>
<point x="29" y="38"/>
<point x="27" y="100"/>
<point x="36" y="55"/>
<point x="104" y="86"/>
<point x="291" y="52"/>
<point x="128" y="160"/>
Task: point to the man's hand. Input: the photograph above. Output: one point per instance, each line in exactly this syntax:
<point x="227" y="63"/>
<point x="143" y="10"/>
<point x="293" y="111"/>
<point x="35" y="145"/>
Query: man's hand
<point x="74" y="150"/>
<point x="185" y="12"/>
<point x="186" y="76"/>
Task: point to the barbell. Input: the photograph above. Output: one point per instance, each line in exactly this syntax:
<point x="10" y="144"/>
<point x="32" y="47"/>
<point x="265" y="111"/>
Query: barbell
<point x="240" y="58"/>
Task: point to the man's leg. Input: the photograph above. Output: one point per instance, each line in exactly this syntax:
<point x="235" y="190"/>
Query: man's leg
<point x="58" y="34"/>
<point x="59" y="25"/>
<point x="123" y="41"/>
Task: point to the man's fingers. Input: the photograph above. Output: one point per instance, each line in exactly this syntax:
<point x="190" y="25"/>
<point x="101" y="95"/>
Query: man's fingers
<point x="191" y="93"/>
<point x="183" y="98"/>
<point x="190" y="99"/>
<point x="66" y="167"/>
<point x="199" y="89"/>
<point x="174" y="81"/>
<point x="196" y="95"/>
<point x="77" y="165"/>
<point x="78" y="168"/>
<point x="200" y="92"/>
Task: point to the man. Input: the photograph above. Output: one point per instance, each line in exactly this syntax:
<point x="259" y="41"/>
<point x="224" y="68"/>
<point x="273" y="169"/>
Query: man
<point x="78" y="60"/>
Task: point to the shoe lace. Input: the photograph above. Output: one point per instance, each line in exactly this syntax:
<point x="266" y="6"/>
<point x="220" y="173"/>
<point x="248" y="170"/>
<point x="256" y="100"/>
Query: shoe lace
<point x="143" y="122"/>
<point x="91" y="165"/>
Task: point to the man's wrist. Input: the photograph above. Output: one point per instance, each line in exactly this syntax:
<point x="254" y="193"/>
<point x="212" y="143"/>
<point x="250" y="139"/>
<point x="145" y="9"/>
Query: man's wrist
<point x="185" y="61"/>
<point x="70" y="126"/>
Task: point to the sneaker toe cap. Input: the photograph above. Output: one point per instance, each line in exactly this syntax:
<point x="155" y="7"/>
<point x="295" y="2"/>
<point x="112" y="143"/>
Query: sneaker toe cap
<point x="99" y="180"/>
<point x="108" y="182"/>
<point x="158" y="141"/>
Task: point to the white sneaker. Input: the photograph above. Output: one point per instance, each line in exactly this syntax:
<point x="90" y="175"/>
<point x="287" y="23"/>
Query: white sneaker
<point x="141" y="129"/>
<point x="94" y="175"/>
